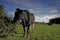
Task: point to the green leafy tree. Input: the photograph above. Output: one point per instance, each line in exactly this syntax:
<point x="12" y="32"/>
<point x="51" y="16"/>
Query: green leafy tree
<point x="2" y="25"/>
<point x="5" y="25"/>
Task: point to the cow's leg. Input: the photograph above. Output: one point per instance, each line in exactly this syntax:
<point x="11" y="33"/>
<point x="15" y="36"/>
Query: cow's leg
<point x="24" y="31"/>
<point x="32" y="27"/>
<point x="28" y="32"/>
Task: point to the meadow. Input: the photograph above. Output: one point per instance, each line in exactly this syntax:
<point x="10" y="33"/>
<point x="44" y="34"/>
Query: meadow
<point x="41" y="32"/>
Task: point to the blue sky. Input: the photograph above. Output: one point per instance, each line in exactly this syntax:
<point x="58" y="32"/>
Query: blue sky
<point x="42" y="9"/>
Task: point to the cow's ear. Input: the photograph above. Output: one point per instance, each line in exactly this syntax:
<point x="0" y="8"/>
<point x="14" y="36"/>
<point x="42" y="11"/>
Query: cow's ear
<point x="20" y="12"/>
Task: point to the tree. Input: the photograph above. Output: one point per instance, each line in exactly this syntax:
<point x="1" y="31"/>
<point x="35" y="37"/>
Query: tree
<point x="5" y="24"/>
<point x="2" y="25"/>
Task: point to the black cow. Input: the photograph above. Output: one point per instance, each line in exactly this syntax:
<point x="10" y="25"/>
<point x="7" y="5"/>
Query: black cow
<point x="26" y="19"/>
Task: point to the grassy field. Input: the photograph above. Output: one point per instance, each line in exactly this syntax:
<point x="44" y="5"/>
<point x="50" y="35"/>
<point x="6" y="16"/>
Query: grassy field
<point x="41" y="32"/>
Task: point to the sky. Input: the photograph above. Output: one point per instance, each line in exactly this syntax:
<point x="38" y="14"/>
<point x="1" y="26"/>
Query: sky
<point x="43" y="10"/>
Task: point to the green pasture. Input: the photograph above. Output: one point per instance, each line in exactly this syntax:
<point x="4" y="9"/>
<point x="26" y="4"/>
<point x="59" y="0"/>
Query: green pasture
<point x="41" y="32"/>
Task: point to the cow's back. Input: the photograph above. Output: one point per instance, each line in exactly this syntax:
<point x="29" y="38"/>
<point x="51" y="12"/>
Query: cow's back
<point x="31" y="18"/>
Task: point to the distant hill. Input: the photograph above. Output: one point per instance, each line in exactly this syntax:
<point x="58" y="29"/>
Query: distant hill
<point x="54" y="21"/>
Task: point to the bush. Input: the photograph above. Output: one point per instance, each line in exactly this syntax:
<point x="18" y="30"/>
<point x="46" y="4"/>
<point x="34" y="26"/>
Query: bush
<point x="6" y="27"/>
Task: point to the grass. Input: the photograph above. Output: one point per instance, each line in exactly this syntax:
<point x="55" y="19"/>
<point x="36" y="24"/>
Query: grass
<point x="41" y="32"/>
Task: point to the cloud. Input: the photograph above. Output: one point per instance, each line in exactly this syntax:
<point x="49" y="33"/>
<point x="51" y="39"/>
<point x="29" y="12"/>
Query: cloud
<point x="27" y="3"/>
<point x="46" y="18"/>
<point x="53" y="11"/>
<point x="44" y="11"/>
<point x="45" y="14"/>
<point x="10" y="15"/>
<point x="35" y="11"/>
<point x="39" y="19"/>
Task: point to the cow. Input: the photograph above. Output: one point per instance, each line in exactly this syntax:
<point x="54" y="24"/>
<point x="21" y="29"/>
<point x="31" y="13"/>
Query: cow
<point x="26" y="19"/>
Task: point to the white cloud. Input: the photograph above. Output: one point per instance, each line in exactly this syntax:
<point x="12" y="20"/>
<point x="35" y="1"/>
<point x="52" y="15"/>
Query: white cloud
<point x="46" y="18"/>
<point x="47" y="14"/>
<point x="53" y="11"/>
<point x="10" y="15"/>
<point x="38" y="19"/>
<point x="34" y="11"/>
